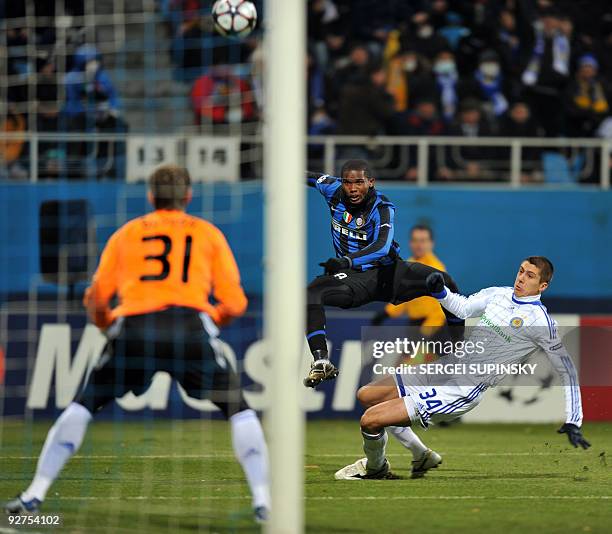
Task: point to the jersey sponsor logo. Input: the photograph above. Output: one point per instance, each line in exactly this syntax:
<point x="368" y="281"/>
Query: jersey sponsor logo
<point x="516" y="322"/>
<point x="353" y="234"/>
<point x="347" y="217"/>
<point x="485" y="321"/>
<point x="556" y="347"/>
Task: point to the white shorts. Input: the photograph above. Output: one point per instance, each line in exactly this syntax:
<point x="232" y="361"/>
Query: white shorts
<point x="429" y="402"/>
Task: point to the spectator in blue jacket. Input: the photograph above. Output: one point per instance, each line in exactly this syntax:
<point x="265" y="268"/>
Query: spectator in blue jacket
<point x="91" y="98"/>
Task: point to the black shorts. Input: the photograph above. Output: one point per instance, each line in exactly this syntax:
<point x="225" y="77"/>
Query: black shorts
<point x="398" y="282"/>
<point x="176" y="340"/>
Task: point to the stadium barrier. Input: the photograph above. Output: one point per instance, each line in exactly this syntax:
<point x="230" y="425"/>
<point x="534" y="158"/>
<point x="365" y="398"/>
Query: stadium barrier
<point x="481" y="234"/>
<point x="512" y="161"/>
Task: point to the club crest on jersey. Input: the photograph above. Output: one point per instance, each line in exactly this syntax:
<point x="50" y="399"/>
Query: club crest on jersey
<point x="347" y="217"/>
<point x="359" y="222"/>
<point x="516" y="322"/>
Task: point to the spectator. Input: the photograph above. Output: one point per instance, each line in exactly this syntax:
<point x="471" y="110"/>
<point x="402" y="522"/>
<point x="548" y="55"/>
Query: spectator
<point x="319" y="122"/>
<point x="48" y="110"/>
<point x="468" y="162"/>
<point x="586" y="101"/>
<point x="602" y="48"/>
<point x="508" y="43"/>
<point x="422" y="37"/>
<point x="355" y="72"/>
<point x="51" y="154"/>
<point x="320" y="14"/>
<point x="409" y="79"/>
<point x="366" y="108"/>
<point x="454" y="30"/>
<point x="222" y="97"/>
<point x="18" y="66"/>
<point x="91" y="98"/>
<point x="423" y="121"/>
<point x="519" y="122"/>
<point x="92" y="105"/>
<point x="493" y="89"/>
<point x="438" y="14"/>
<point x="547" y="62"/>
<point x="12" y="149"/>
<point x="335" y="54"/>
<point x="446" y="79"/>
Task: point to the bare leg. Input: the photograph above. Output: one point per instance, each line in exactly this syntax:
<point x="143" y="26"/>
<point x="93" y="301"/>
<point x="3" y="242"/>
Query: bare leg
<point x="379" y="394"/>
<point x="374" y="393"/>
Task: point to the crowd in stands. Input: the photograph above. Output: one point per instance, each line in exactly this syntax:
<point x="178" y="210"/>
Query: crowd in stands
<point x="415" y="68"/>
<point x="222" y="73"/>
<point x="56" y="83"/>
<point x="460" y="67"/>
<point x="464" y="68"/>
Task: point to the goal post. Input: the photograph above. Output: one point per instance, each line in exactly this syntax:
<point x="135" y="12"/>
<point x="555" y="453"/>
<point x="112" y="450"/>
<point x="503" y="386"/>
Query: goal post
<point x="285" y="238"/>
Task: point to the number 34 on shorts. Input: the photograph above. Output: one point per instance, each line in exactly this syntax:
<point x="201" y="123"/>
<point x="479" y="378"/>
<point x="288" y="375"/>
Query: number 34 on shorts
<point x="428" y="397"/>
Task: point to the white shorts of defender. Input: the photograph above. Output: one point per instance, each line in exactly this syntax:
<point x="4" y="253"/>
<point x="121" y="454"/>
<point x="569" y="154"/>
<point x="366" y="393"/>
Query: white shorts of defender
<point x="432" y="399"/>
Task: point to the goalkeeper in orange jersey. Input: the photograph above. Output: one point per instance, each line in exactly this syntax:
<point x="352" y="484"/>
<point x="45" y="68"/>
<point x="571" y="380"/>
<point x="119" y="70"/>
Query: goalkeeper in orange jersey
<point x="162" y="267"/>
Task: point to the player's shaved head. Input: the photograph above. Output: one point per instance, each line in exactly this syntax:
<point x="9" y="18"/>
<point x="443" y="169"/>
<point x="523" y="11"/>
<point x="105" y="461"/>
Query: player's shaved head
<point x="170" y="187"/>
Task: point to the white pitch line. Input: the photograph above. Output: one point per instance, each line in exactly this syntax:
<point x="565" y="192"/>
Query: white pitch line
<point x="354" y="498"/>
<point x="230" y="455"/>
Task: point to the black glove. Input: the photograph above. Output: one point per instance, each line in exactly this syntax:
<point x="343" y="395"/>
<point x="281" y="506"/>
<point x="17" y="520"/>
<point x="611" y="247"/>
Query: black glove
<point x="574" y="434"/>
<point x="379" y="318"/>
<point x="333" y="265"/>
<point x="435" y="283"/>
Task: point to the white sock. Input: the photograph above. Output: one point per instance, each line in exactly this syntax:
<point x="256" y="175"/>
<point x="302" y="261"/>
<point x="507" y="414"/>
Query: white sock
<point x="63" y="440"/>
<point x="406" y="436"/>
<point x="252" y="452"/>
<point x="374" y="447"/>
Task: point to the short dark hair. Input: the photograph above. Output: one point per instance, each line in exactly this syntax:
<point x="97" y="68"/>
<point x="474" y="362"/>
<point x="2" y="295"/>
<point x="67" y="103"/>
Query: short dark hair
<point x="545" y="265"/>
<point x="424" y="228"/>
<point x="169" y="186"/>
<point x="356" y="165"/>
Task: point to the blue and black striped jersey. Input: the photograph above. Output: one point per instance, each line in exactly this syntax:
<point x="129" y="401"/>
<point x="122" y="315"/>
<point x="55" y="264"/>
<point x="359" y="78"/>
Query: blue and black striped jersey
<point x="364" y="235"/>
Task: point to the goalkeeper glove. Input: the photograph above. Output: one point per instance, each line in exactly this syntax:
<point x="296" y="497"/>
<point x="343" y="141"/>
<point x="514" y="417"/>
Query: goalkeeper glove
<point x="574" y="435"/>
<point x="333" y="265"/>
<point x="435" y="285"/>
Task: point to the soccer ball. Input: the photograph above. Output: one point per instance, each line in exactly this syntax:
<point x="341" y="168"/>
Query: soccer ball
<point x="234" y="18"/>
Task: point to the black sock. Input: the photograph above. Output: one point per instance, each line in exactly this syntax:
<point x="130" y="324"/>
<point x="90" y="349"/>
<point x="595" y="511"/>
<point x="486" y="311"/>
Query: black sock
<point x="315" y="331"/>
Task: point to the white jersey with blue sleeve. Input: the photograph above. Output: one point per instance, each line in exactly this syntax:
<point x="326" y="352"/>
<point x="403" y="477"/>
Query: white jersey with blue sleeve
<point x="511" y="329"/>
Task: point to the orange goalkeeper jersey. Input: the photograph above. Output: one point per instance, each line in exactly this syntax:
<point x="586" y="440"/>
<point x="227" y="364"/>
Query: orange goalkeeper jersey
<point x="166" y="258"/>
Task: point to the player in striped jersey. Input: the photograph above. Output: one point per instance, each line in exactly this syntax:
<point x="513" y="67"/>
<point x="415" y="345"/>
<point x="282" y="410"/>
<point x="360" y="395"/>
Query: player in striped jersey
<point x="513" y="325"/>
<point x="367" y="266"/>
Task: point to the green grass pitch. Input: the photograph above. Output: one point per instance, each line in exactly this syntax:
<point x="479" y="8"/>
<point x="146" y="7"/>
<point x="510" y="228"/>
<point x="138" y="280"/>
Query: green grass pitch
<point x="181" y="476"/>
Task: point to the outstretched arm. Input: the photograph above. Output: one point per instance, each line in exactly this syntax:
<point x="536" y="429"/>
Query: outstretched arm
<point x="458" y="305"/>
<point x="546" y="336"/>
<point x="324" y="183"/>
